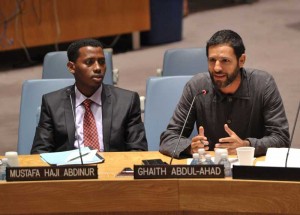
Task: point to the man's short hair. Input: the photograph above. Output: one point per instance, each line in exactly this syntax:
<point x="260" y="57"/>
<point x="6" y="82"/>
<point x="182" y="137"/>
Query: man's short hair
<point x="228" y="37"/>
<point x="73" y="49"/>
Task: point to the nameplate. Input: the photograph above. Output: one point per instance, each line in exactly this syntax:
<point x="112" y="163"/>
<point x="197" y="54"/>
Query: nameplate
<point x="266" y="173"/>
<point x="51" y="173"/>
<point x="178" y="171"/>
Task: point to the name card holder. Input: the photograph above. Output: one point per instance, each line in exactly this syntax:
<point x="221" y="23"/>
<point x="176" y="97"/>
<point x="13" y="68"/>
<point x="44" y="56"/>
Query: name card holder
<point x="178" y="171"/>
<point x="266" y="173"/>
<point x="69" y="172"/>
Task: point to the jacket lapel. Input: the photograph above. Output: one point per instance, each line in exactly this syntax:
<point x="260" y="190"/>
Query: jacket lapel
<point x="106" y="115"/>
<point x="70" y="118"/>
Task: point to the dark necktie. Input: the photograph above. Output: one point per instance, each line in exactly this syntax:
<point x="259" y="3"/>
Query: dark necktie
<point x="90" y="133"/>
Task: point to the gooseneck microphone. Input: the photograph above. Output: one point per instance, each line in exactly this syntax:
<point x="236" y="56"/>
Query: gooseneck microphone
<point x="74" y="119"/>
<point x="292" y="135"/>
<point x="203" y="92"/>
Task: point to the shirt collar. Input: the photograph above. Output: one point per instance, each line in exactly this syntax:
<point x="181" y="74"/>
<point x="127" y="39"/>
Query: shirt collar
<point x="243" y="92"/>
<point x="96" y="97"/>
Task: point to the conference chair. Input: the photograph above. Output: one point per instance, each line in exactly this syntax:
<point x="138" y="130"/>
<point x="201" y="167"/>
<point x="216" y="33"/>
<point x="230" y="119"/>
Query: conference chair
<point x="55" y="67"/>
<point x="31" y="99"/>
<point x="184" y="61"/>
<point x="162" y="96"/>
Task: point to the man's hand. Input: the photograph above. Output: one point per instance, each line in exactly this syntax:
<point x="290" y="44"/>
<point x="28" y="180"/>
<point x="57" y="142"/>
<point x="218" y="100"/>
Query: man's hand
<point x="232" y="142"/>
<point x="199" y="141"/>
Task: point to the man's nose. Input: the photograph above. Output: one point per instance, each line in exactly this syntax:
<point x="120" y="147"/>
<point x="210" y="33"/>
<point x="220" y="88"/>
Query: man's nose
<point x="217" y="66"/>
<point x="97" y="66"/>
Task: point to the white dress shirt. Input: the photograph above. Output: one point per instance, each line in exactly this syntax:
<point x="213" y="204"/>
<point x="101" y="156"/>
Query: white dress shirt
<point x="96" y="108"/>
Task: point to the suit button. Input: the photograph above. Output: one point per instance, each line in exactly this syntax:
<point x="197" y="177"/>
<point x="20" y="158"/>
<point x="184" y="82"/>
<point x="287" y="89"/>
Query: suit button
<point x="228" y="121"/>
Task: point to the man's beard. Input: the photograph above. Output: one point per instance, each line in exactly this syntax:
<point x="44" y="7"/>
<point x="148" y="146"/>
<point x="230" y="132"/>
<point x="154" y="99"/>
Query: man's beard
<point x="229" y="79"/>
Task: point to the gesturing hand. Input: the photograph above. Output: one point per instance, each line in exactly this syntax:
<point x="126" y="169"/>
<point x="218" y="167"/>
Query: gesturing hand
<point x="232" y="142"/>
<point x="199" y="141"/>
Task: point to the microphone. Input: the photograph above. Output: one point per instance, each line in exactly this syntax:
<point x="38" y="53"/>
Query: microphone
<point x="68" y="91"/>
<point x="203" y="92"/>
<point x="292" y="135"/>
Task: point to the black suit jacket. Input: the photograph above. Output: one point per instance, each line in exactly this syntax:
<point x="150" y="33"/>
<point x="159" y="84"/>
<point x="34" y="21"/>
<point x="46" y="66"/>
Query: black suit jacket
<point x="123" y="129"/>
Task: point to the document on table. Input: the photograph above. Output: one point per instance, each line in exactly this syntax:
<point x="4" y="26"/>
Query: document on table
<point x="276" y="157"/>
<point x="72" y="157"/>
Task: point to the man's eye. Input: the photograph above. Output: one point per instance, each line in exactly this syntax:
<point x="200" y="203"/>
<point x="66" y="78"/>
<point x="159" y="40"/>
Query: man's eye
<point x="101" y="61"/>
<point x="89" y="62"/>
<point x="225" y="60"/>
<point x="211" y="60"/>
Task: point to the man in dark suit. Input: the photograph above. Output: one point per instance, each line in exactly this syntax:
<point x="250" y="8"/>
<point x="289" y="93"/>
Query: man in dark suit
<point x="115" y="114"/>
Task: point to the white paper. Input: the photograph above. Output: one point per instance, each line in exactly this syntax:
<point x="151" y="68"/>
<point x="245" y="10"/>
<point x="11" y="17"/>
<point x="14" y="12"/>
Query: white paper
<point x="86" y="156"/>
<point x="63" y="158"/>
<point x="277" y="157"/>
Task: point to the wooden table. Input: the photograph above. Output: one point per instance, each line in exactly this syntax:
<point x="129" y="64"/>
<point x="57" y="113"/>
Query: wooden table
<point x="124" y="195"/>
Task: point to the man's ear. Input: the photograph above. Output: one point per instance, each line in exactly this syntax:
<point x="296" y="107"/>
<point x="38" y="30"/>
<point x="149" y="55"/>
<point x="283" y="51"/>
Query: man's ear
<point x="242" y="60"/>
<point x="71" y="67"/>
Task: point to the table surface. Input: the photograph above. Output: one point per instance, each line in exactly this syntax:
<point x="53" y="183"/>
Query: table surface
<point x="124" y="195"/>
